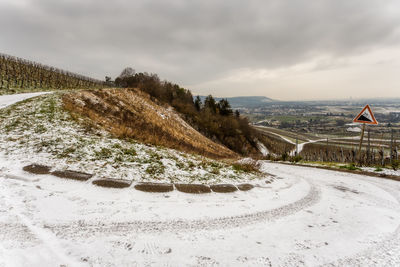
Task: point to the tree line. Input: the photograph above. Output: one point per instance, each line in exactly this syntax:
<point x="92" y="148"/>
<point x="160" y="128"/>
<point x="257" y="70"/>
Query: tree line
<point x="214" y="119"/>
<point x="18" y="73"/>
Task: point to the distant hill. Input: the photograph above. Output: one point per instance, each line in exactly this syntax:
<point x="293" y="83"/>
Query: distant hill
<point x="245" y="101"/>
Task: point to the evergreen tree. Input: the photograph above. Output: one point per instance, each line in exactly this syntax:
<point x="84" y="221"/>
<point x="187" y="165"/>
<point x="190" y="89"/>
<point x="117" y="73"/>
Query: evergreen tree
<point x="197" y="103"/>
<point x="224" y="107"/>
<point x="237" y="113"/>
<point x="210" y="104"/>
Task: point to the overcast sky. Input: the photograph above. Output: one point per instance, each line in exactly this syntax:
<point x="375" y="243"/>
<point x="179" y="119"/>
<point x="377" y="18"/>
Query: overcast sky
<point x="283" y="49"/>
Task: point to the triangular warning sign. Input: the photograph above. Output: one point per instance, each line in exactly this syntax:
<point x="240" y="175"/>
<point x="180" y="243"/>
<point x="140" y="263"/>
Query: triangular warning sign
<point x="366" y="116"/>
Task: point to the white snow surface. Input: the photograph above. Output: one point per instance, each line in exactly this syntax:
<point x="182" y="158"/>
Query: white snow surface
<point x="7" y="100"/>
<point x="353" y="129"/>
<point x="264" y="151"/>
<point x="305" y="217"/>
<point x="382" y="171"/>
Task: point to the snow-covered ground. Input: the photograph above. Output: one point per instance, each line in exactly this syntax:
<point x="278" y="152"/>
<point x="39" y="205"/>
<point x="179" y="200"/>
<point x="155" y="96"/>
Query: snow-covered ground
<point x="386" y="171"/>
<point x="41" y="131"/>
<point x="305" y="217"/>
<point x="7" y="100"/>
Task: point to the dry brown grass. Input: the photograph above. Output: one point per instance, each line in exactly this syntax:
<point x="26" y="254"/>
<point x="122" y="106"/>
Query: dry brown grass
<point x="250" y="167"/>
<point x="130" y="113"/>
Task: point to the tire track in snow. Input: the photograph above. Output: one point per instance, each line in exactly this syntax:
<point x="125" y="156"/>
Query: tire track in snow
<point x="31" y="232"/>
<point x="82" y="228"/>
<point x="385" y="252"/>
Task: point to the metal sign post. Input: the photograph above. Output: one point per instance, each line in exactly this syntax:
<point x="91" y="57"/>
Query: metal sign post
<point x="365" y="117"/>
<point x="391" y="146"/>
<point x="361" y="140"/>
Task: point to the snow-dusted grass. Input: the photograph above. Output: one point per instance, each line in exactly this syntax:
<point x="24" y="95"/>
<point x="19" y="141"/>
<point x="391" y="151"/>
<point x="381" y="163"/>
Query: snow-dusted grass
<point x="337" y="165"/>
<point x="38" y="130"/>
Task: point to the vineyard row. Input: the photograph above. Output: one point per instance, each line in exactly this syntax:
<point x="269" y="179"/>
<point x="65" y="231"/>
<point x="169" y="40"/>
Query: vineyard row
<point x="18" y="73"/>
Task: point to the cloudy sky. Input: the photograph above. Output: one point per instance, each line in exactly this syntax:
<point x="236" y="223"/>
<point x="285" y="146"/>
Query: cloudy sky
<point x="283" y="49"/>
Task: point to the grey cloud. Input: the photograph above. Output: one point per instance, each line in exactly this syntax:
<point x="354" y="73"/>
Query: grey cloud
<point x="194" y="41"/>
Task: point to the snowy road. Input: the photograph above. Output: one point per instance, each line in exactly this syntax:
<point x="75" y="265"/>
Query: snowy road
<point x="7" y="100"/>
<point x="306" y="216"/>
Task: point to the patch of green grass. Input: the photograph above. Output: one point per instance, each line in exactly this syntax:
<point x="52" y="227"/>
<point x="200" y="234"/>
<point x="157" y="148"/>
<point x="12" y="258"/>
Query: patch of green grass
<point x="44" y="144"/>
<point x="244" y="167"/>
<point x="67" y="152"/>
<point x="125" y="154"/>
<point x="215" y="171"/>
<point x="116" y="146"/>
<point x="49" y="108"/>
<point x="13" y="125"/>
<point x="191" y="165"/>
<point x="119" y="158"/>
<point x="296" y="159"/>
<point x="155" y="169"/>
<point x="351" y="167"/>
<point x="40" y="128"/>
<point x="154" y="156"/>
<point x="215" y="164"/>
<point x="103" y="153"/>
<point x="179" y="164"/>
<point x="129" y="151"/>
<point x="324" y="163"/>
<point x="378" y="169"/>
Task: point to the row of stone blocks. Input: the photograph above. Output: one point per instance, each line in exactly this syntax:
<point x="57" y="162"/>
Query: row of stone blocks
<point x="143" y="186"/>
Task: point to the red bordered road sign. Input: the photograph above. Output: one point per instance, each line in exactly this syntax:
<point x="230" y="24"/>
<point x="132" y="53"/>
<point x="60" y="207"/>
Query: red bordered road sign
<point x="366" y="116"/>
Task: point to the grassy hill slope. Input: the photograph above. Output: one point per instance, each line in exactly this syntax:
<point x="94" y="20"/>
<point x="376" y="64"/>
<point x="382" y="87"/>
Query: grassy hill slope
<point x="130" y="113"/>
<point x="40" y="130"/>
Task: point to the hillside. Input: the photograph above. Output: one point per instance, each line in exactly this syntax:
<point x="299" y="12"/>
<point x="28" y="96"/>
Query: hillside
<point x="130" y="113"/>
<point x="214" y="119"/>
<point x="39" y="130"/>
